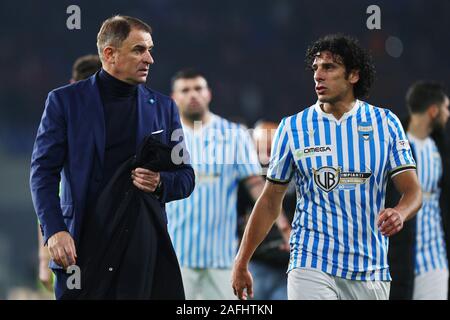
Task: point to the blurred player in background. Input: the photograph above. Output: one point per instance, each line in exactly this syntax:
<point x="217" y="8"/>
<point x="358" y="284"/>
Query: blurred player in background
<point x="428" y="105"/>
<point x="341" y="151"/>
<point x="429" y="108"/>
<point x="417" y="256"/>
<point x="203" y="227"/>
<point x="83" y="68"/>
<point x="268" y="264"/>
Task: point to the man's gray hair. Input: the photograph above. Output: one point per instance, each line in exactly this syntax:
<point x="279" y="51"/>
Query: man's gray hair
<point x="116" y="29"/>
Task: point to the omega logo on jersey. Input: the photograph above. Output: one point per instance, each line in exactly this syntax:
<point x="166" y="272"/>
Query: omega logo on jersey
<point x="203" y="177"/>
<point x="316" y="149"/>
<point x="313" y="151"/>
<point x="328" y="178"/>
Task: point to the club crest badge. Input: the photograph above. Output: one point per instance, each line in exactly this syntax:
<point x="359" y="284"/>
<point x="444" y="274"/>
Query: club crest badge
<point x="365" y="130"/>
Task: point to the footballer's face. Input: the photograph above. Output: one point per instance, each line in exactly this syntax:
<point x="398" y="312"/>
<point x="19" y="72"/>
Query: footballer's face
<point x="333" y="83"/>
<point x="192" y="97"/>
<point x="131" y="61"/>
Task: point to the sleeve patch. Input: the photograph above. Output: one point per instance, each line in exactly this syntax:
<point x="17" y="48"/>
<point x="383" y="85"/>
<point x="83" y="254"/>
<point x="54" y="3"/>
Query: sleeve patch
<point x="403" y="145"/>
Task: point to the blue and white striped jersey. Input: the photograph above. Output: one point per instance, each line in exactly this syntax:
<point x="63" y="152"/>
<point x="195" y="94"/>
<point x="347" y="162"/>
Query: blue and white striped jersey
<point x="430" y="245"/>
<point x="341" y="169"/>
<point x="203" y="227"/>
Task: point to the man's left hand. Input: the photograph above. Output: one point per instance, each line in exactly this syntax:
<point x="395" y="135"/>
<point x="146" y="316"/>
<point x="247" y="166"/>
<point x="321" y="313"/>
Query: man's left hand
<point x="145" y="180"/>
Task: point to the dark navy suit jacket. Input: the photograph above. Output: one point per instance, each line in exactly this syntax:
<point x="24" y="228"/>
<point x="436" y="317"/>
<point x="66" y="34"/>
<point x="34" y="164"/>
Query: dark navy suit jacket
<point x="70" y="147"/>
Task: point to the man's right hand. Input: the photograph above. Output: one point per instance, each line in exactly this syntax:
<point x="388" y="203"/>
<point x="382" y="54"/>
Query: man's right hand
<point x="62" y="249"/>
<point x="242" y="281"/>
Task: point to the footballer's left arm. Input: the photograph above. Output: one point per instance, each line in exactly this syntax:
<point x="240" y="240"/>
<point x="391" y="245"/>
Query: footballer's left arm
<point x="255" y="186"/>
<point x="390" y="220"/>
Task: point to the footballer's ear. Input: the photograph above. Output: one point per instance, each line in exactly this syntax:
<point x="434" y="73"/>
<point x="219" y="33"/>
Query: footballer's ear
<point x="433" y="111"/>
<point x="353" y="76"/>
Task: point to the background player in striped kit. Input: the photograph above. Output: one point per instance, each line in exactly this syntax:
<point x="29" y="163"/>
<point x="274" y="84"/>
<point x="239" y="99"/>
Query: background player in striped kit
<point x="203" y="227"/>
<point x="341" y="151"/>
<point x="268" y="264"/>
<point x="428" y="105"/>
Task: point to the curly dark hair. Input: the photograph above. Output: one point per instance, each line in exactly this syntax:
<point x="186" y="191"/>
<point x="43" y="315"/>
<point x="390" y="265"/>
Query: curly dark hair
<point x="353" y="57"/>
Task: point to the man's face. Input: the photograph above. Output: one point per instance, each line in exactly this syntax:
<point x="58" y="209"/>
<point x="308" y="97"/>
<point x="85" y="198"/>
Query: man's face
<point x="131" y="62"/>
<point x="332" y="82"/>
<point x="441" y="119"/>
<point x="192" y="97"/>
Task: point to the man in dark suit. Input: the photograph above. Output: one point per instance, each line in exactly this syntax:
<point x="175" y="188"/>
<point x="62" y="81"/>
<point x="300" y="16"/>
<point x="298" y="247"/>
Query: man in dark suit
<point x="89" y="128"/>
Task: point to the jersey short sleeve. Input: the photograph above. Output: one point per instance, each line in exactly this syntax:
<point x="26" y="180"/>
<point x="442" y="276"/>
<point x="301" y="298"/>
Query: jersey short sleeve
<point x="400" y="157"/>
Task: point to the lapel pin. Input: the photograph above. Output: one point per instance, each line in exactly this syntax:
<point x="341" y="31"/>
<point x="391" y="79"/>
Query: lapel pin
<point x="151" y="101"/>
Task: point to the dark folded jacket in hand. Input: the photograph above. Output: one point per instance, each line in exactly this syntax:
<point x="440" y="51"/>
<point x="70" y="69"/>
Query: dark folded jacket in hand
<point x="125" y="251"/>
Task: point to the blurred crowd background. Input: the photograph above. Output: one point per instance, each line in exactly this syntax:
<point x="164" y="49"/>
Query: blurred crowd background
<point x="251" y="51"/>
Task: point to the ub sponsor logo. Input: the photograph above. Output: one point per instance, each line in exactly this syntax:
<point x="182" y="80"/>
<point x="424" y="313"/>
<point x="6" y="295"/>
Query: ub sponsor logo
<point x="327" y="178"/>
